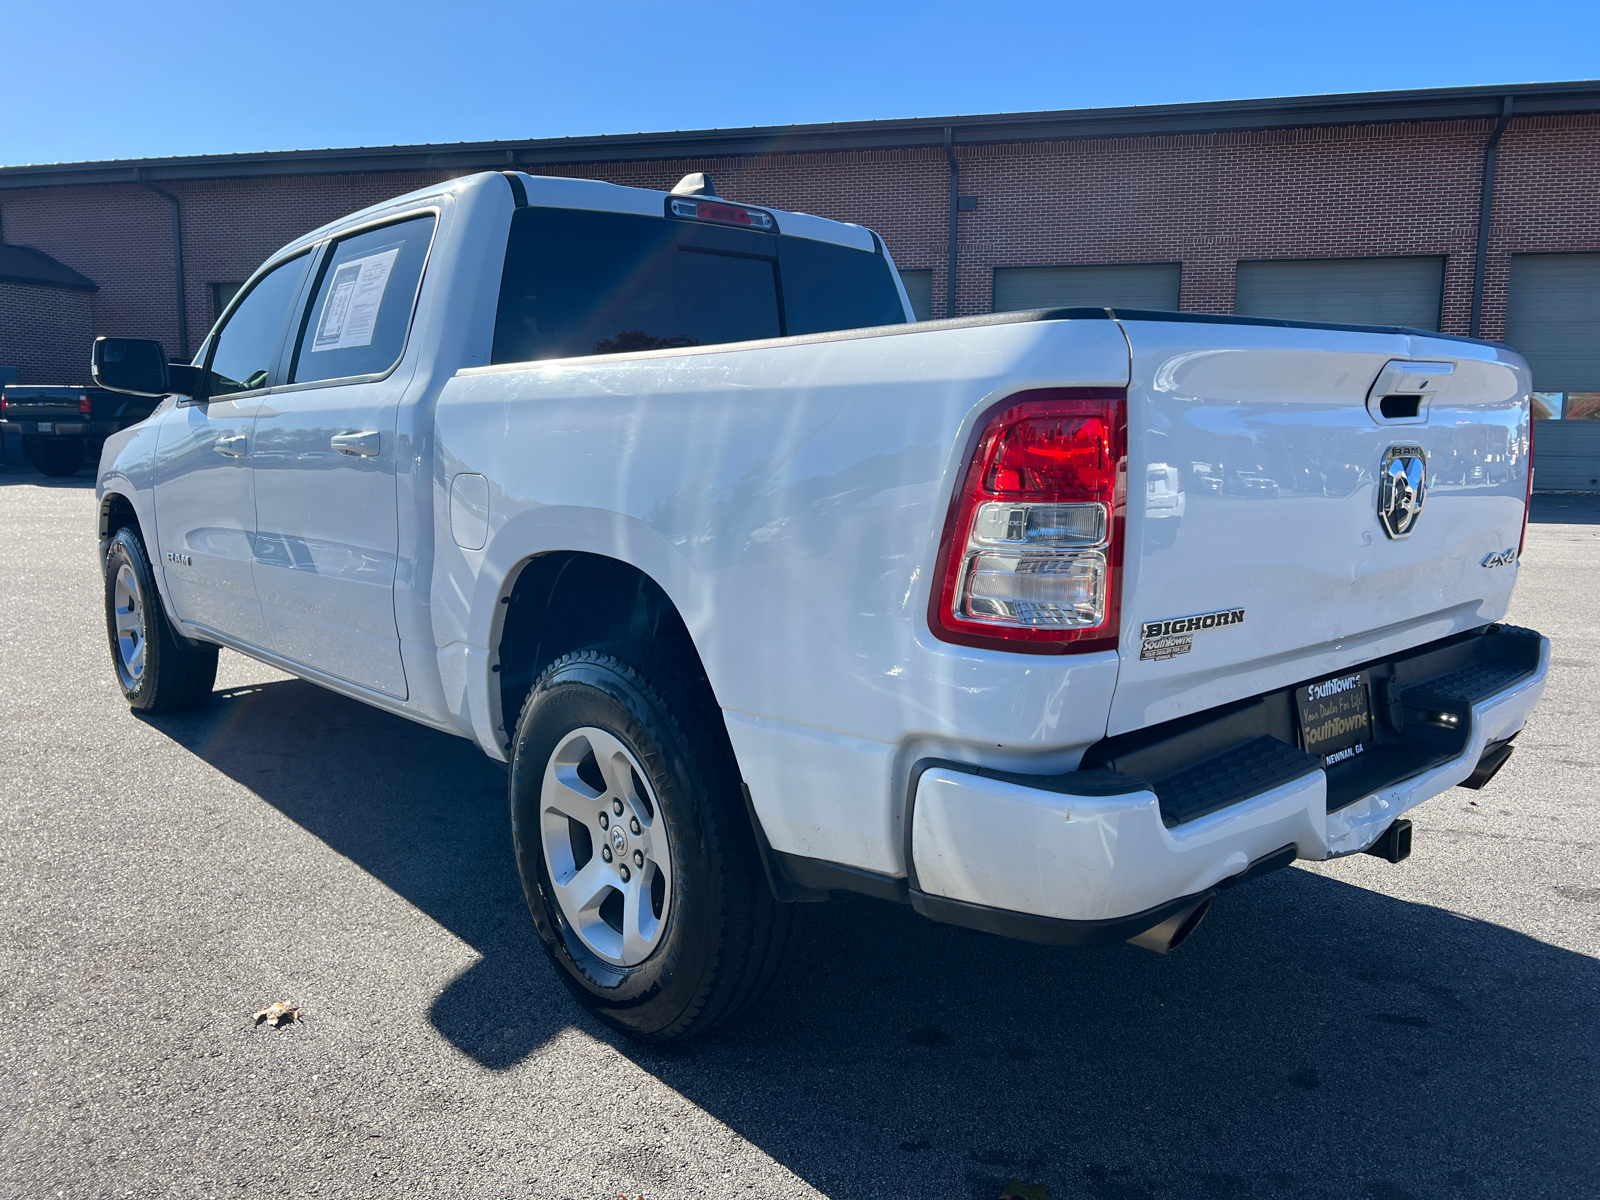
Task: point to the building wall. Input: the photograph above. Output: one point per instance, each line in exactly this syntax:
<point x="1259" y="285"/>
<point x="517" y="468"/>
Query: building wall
<point x="1547" y="199"/>
<point x="1206" y="201"/>
<point x="45" y="333"/>
<point x="120" y="236"/>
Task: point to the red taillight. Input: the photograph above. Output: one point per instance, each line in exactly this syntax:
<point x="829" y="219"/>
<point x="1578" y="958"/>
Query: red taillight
<point x="1032" y="554"/>
<point x="1527" y="503"/>
<point x="1060" y="454"/>
<point x="83" y="405"/>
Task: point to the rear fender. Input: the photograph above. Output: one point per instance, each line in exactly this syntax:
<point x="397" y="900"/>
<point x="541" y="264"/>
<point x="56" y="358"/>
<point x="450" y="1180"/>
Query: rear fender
<point x="469" y="585"/>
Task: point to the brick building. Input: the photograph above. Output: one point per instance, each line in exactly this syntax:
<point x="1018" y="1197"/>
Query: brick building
<point x="1469" y="210"/>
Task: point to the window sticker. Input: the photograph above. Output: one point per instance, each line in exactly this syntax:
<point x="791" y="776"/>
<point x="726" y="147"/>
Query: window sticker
<point x="350" y="308"/>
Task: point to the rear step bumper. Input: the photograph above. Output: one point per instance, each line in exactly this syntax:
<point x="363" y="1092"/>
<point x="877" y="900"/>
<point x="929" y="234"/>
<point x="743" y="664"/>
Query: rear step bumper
<point x="1088" y="855"/>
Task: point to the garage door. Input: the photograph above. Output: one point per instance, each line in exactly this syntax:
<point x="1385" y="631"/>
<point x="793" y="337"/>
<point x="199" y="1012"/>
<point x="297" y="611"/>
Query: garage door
<point x="1553" y="319"/>
<point x="1350" y="291"/>
<point x="1124" y="285"/>
<point x="919" y="290"/>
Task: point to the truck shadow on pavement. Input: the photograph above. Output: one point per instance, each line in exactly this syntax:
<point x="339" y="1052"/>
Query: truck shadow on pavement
<point x="16" y="474"/>
<point x="1313" y="1039"/>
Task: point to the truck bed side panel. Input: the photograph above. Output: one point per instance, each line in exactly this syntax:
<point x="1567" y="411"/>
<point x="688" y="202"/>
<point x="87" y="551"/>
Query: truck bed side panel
<point x="789" y="499"/>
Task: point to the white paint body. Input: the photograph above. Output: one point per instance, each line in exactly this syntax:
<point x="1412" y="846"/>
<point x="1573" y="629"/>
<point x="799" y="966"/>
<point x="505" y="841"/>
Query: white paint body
<point x="789" y="497"/>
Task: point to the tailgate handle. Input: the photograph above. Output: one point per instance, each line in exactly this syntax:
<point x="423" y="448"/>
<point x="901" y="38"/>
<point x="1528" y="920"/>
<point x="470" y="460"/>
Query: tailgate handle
<point x="1403" y="390"/>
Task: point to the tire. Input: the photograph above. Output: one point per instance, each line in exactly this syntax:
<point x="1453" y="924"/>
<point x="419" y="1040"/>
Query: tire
<point x="704" y="936"/>
<point x="157" y="670"/>
<point x="56" y="457"/>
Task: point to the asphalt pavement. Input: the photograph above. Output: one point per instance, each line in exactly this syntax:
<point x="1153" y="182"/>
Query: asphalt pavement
<point x="1349" y="1029"/>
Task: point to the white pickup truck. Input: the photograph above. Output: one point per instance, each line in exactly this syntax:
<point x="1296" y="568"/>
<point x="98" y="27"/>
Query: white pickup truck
<point x="1055" y="624"/>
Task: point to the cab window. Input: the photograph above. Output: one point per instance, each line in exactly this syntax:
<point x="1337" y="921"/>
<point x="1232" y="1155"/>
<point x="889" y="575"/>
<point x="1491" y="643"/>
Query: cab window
<point x="246" y="345"/>
<point x="359" y="316"/>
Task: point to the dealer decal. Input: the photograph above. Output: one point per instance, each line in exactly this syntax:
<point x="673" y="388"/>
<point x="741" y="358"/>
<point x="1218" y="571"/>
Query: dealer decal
<point x="1170" y="638"/>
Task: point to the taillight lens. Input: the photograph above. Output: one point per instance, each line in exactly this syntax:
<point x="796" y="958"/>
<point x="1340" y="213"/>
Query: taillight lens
<point x="1527" y="502"/>
<point x="83" y="405"/>
<point x="1032" y="557"/>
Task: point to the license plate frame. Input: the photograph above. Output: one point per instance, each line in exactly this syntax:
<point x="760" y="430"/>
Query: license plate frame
<point x="1335" y="716"/>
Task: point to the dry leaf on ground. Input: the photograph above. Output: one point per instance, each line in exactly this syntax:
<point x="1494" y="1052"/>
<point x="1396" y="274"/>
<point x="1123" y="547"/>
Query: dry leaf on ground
<point x="1015" y="1190"/>
<point x="281" y="1013"/>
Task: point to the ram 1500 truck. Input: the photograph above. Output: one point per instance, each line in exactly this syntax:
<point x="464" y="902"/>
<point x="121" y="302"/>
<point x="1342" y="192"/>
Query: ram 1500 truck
<point x="62" y="427"/>
<point x="1056" y="624"/>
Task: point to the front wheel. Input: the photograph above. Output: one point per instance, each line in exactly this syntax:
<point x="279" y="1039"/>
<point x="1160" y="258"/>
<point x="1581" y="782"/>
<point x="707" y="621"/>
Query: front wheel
<point x="637" y="859"/>
<point x="157" y="670"/>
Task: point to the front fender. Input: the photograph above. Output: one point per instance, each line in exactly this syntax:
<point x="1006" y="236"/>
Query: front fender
<point x="127" y="469"/>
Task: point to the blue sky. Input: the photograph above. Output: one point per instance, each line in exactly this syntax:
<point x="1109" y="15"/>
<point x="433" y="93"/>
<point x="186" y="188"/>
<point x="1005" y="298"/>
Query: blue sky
<point x="98" y="80"/>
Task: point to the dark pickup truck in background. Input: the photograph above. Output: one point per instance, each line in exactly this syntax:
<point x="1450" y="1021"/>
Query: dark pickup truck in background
<point x="63" y="427"/>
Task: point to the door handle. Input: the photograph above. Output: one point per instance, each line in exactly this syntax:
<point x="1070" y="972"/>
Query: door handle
<point x="233" y="447"/>
<point x="365" y="444"/>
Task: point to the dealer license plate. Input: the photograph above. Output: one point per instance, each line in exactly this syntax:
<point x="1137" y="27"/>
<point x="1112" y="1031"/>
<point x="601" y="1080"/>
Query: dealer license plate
<point x="1336" y="716"/>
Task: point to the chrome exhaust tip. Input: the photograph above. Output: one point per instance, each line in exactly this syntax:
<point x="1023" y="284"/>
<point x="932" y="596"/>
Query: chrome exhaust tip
<point x="1175" y="930"/>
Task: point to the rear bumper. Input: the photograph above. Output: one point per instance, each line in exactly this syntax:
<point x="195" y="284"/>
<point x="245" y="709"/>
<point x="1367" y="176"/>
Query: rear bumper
<point x="1085" y="856"/>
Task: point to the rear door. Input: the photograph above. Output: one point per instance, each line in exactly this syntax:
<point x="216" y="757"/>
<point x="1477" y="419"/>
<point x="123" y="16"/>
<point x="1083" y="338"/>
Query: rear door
<point x="1260" y="559"/>
<point x="205" y="504"/>
<point x="325" y="458"/>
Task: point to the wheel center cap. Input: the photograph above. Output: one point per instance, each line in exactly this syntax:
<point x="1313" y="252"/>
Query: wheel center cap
<point x="619" y="841"/>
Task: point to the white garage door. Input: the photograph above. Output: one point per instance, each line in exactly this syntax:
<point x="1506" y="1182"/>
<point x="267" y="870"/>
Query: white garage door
<point x="1123" y="285"/>
<point x="1349" y="291"/>
<point x="1553" y="319"/>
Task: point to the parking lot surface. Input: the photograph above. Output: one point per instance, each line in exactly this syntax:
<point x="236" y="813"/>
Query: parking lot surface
<point x="1348" y="1029"/>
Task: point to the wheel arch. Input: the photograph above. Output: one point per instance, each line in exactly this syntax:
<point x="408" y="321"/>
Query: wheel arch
<point x="559" y="601"/>
<point x="116" y="512"/>
<point x="118" y="509"/>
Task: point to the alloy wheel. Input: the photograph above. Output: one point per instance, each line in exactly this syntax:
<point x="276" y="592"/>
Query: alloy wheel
<point x="128" y="615"/>
<point x="606" y="846"/>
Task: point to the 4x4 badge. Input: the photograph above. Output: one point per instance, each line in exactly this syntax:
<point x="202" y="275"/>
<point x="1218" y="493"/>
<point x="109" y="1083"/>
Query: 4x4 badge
<point x="1402" y="487"/>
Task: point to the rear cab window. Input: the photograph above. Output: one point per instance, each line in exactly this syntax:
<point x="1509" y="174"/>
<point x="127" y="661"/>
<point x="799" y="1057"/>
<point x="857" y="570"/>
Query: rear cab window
<point x="578" y="282"/>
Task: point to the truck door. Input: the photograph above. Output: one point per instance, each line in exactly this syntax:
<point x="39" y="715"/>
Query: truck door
<point x="324" y="460"/>
<point x="205" y="504"/>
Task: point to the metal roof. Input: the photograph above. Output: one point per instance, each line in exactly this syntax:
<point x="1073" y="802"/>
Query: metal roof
<point x="1357" y="108"/>
<point x="24" y="264"/>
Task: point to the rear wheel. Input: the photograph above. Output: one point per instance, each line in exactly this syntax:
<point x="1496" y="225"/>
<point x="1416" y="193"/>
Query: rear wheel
<point x="55" y="456"/>
<point x="157" y="670"/>
<point x="637" y="859"/>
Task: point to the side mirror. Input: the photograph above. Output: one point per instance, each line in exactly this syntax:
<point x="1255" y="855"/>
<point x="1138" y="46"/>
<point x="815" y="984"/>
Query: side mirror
<point x="131" y="365"/>
<point x="139" y="367"/>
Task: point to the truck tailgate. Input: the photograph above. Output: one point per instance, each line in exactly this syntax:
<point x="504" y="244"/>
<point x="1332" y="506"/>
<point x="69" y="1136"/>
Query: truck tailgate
<point x="53" y="404"/>
<point x="1256" y="556"/>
